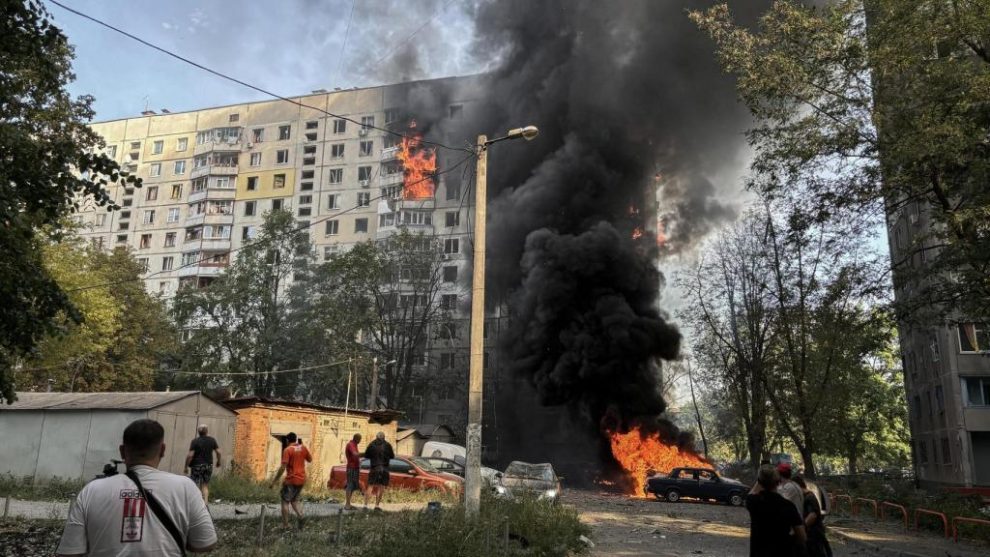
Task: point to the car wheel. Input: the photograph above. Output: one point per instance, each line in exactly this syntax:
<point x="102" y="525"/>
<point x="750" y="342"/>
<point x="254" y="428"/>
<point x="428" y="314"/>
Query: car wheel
<point x="673" y="496"/>
<point x="736" y="499"/>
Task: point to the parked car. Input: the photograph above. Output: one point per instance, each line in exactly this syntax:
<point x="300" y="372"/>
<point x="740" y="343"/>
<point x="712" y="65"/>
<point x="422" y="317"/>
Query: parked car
<point x="537" y="480"/>
<point x="700" y="483"/>
<point x="446" y="465"/>
<point x="405" y="472"/>
<point x="448" y="457"/>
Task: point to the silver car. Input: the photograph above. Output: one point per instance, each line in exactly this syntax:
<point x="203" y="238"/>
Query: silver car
<point x="536" y="480"/>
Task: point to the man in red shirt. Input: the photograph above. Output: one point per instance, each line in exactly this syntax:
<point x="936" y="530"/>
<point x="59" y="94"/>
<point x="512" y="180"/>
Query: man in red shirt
<point x="294" y="459"/>
<point x="353" y="470"/>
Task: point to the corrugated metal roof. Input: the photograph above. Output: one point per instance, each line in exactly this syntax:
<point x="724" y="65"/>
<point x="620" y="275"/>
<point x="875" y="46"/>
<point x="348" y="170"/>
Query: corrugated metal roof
<point x="95" y="401"/>
<point x="427" y="430"/>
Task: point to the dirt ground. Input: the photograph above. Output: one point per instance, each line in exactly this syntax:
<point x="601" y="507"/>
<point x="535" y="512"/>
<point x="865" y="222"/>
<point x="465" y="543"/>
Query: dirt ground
<point x="630" y="527"/>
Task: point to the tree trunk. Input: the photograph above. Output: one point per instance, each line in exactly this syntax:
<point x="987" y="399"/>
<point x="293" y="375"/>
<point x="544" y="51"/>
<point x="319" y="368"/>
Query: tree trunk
<point x="853" y="463"/>
<point x="809" y="462"/>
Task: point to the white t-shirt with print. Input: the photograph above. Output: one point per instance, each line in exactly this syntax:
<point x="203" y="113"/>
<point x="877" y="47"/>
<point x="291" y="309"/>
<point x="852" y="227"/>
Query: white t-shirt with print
<point x="110" y="518"/>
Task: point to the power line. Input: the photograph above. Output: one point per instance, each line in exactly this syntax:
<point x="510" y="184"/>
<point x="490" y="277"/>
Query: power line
<point x="255" y="244"/>
<point x="343" y="49"/>
<point x="244" y="83"/>
<point x="254" y="373"/>
<point x="414" y="33"/>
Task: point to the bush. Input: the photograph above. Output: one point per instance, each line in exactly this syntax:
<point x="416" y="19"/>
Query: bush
<point x="238" y="488"/>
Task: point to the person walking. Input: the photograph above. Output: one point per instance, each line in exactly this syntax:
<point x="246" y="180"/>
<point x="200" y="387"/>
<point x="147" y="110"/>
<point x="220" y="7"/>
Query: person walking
<point x="294" y="459"/>
<point x="814" y="521"/>
<point x="353" y="456"/>
<point x="379" y="453"/>
<point x="199" y="461"/>
<point x="143" y="512"/>
<point x="775" y="525"/>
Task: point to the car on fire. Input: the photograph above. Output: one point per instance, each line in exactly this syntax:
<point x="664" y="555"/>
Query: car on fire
<point x="405" y="472"/>
<point x="535" y="480"/>
<point x="699" y="483"/>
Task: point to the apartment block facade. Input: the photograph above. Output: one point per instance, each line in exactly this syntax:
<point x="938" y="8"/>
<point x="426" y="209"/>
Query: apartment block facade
<point x="946" y="374"/>
<point x="210" y="175"/>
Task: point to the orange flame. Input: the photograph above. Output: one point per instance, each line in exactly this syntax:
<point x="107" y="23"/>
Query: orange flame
<point x="661" y="233"/>
<point x="419" y="164"/>
<point x="637" y="233"/>
<point x="639" y="454"/>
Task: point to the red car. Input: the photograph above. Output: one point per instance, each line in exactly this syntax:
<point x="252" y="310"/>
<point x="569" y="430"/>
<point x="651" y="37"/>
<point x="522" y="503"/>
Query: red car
<point x="405" y="472"/>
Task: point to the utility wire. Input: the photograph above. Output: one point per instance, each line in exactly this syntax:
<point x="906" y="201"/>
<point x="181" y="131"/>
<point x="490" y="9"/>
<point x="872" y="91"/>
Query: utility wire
<point x="272" y="238"/>
<point x="244" y="83"/>
<point x="343" y="49"/>
<point x="253" y="373"/>
<point x="413" y="34"/>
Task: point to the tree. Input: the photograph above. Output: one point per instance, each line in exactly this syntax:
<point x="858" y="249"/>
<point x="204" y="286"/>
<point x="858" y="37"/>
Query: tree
<point x="123" y="334"/>
<point x="870" y="104"/>
<point x="52" y="161"/>
<point x="398" y="282"/>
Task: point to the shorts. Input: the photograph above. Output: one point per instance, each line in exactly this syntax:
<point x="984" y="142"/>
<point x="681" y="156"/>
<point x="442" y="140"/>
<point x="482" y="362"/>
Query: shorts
<point x="201" y="473"/>
<point x="291" y="493"/>
<point x="378" y="476"/>
<point x="353" y="479"/>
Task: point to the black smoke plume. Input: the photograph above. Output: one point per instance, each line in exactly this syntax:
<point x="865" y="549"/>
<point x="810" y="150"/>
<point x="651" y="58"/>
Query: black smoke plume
<point x="627" y="95"/>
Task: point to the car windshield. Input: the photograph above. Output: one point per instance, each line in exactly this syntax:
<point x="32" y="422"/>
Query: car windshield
<point x="424" y="464"/>
<point x="529" y="471"/>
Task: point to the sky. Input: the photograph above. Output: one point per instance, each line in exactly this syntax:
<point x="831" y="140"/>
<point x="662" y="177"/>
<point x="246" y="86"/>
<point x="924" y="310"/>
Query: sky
<point x="289" y="47"/>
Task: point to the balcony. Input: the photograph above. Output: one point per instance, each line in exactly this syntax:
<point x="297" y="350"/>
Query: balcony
<point x="214" y="170"/>
<point x="204" y="218"/>
<point x="229" y="146"/>
<point x="212" y="193"/>
<point x="206" y="244"/>
<point x="201" y="270"/>
<point x="391" y="179"/>
<point x="389" y="153"/>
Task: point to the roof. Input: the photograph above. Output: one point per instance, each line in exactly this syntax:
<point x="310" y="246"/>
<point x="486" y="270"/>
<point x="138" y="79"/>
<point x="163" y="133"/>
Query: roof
<point x="375" y="416"/>
<point x="95" y="401"/>
<point x="427" y="430"/>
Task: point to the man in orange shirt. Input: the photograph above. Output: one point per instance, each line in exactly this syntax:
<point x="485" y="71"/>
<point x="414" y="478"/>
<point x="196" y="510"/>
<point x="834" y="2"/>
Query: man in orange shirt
<point x="294" y="459"/>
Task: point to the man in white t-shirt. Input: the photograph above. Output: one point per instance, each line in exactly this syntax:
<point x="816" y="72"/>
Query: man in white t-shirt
<point x="788" y="489"/>
<point x="110" y="518"/>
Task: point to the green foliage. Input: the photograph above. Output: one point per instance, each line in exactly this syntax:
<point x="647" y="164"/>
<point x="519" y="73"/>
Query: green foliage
<point x="56" y="489"/>
<point x="240" y="488"/>
<point x="52" y="163"/>
<point x="121" y="336"/>
<point x="876" y="104"/>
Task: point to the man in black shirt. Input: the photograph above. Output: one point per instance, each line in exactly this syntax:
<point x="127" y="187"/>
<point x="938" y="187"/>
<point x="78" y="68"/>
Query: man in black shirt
<point x="199" y="461"/>
<point x="776" y="528"/>
<point x="379" y="453"/>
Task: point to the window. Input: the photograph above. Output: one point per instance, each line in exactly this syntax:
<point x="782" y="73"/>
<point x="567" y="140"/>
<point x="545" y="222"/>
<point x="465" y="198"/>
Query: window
<point x="281" y="156"/>
<point x="284" y="133"/>
<point x="121" y="238"/>
<point x="309" y="150"/>
<point x="311" y="136"/>
<point x="247" y="232"/>
<point x="453" y="191"/>
<point x="450" y="274"/>
<point x="455" y="111"/>
<point x="973" y="337"/>
<point x="134" y="156"/>
<point x="156" y="169"/>
<point x="276" y="204"/>
<point x="257" y="135"/>
<point x="333" y="201"/>
<point x="222" y="182"/>
<point x="101" y="219"/>
<point x="152" y="193"/>
<point x="367" y="122"/>
<point x="366" y="148"/>
<point x="916" y="408"/>
<point x="145" y="241"/>
<point x="946" y="451"/>
<point x="447" y="360"/>
<point x="167" y="263"/>
<point x="158" y="147"/>
<point x="417" y="217"/>
<point x="143" y="262"/>
<point x="234" y="117"/>
<point x="360" y="225"/>
<point x="170" y="239"/>
<point x="309" y="161"/>
<point x="278" y="181"/>
<point x="976" y="391"/>
<point x="332" y="228"/>
<point x="182" y="144"/>
<point x="305" y="199"/>
<point x="364" y="173"/>
<point x="391" y="115"/>
<point x="312" y="125"/>
<point x="452" y="245"/>
<point x="339" y="126"/>
<point x="173" y="215"/>
<point x="255" y="159"/>
<point x="336" y="175"/>
<point x="176" y="191"/>
<point x="337" y="151"/>
<point x="387" y="219"/>
<point x="939" y="401"/>
<point x="922" y="452"/>
<point x="305" y="186"/>
<point x="149" y="217"/>
<point x="452" y="219"/>
<point x="112" y="151"/>
<point x="448" y="302"/>
<point x="252" y="183"/>
<point x="125" y="215"/>
<point x="307" y="175"/>
<point x="249" y="208"/>
<point x="936" y="352"/>
<point x="363" y="199"/>
<point x="305" y="211"/>
<point x="390" y="141"/>
<point x="180" y="168"/>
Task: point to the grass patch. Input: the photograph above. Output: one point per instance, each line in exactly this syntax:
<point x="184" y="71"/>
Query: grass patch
<point x="237" y="488"/>
<point x="22" y="488"/>
<point x="533" y="527"/>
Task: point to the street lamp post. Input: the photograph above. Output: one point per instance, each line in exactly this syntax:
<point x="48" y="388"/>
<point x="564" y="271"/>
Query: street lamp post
<point x="472" y="469"/>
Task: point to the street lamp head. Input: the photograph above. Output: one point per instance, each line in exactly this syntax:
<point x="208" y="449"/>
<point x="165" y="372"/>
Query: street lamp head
<point x="528" y="133"/>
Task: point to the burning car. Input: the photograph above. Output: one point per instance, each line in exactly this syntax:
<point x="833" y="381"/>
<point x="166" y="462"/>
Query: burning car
<point x="535" y="480"/>
<point x="699" y="483"/>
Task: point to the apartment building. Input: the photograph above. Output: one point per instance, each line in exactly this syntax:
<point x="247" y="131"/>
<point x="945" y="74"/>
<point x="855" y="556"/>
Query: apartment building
<point x="210" y="175"/>
<point x="946" y="375"/>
